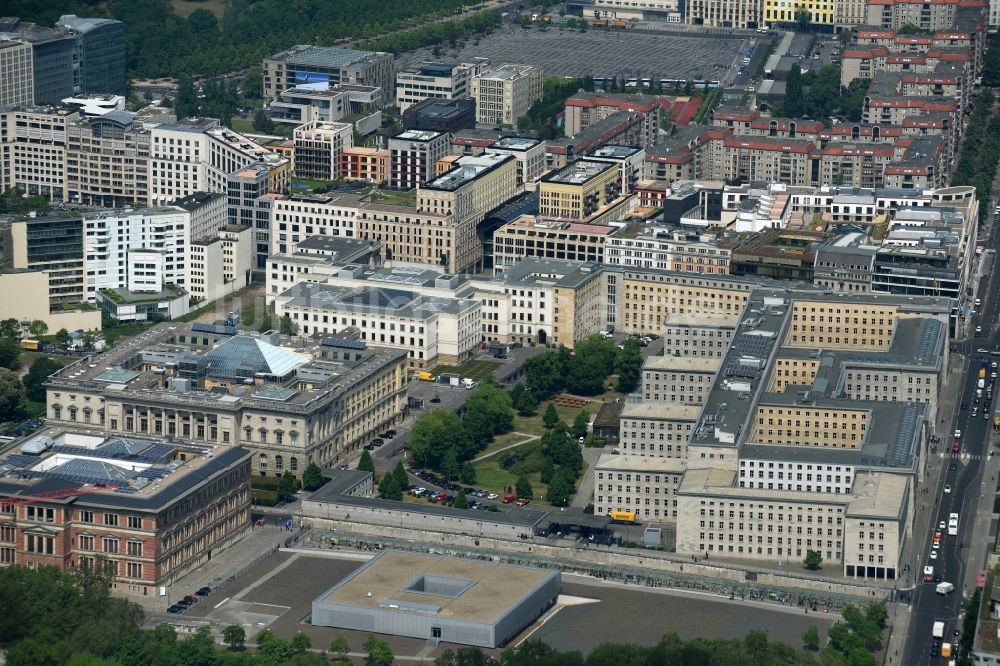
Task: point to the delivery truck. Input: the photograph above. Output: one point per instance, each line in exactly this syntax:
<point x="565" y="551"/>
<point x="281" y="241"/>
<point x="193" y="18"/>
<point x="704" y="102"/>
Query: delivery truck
<point x="937" y="631"/>
<point x="944" y="588"/>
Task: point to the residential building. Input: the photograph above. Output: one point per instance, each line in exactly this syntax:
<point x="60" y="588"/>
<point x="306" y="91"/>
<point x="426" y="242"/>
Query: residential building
<point x="207" y="210"/>
<point x="639" y="485"/>
<point x="622" y="128"/>
<point x="99" y="59"/>
<point x="530" y="156"/>
<point x="586" y="109"/>
<point x="504" y="93"/>
<point x="668" y="248"/>
<point x="846" y="264"/>
<point x="471" y="188"/>
<point x="162" y="511"/>
<point x="107" y="161"/>
<point x="305" y="64"/>
<point x="655" y="10"/>
<point x="435" y="80"/>
<point x="33" y="150"/>
<point x="297" y="217"/>
<point x="367" y="165"/>
<point x="823" y="12"/>
<point x="725" y="13"/>
<point x="412" y="156"/>
<point x="318" y="147"/>
<point x="302" y="404"/>
<point x="17" y="74"/>
<point x="579" y="190"/>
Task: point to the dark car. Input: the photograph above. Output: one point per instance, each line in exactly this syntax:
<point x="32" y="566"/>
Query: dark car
<point x="204" y="592"/>
<point x="175" y="609"/>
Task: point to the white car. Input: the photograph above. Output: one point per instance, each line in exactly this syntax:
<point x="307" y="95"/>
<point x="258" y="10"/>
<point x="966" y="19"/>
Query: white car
<point x="934" y="554"/>
<point x="492" y="496"/>
<point x="947" y="489"/>
<point x="942" y="525"/>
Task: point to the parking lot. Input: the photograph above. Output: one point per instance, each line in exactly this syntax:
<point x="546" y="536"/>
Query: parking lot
<point x="598" y="53"/>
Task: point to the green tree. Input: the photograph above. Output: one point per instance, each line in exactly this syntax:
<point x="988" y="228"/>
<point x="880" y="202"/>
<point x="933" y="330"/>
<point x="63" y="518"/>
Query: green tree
<point x="792" y="101"/>
<point x="488" y="412"/>
<point x="544" y="374"/>
<point x="810" y="639"/>
<point x="435" y="435"/>
<point x="461" y="501"/>
<point x="365" y="463"/>
<point x="561" y="488"/>
<point x="11" y="395"/>
<point x="41" y="369"/>
<point x="186" y="103"/>
<point x="262" y="122"/>
<point x="813" y="560"/>
<point x="235" y="636"/>
<point x="803" y="18"/>
<point x="467" y="473"/>
<point x="551" y="417"/>
<point x="312" y="477"/>
<point x="38" y="328"/>
<point x="523" y="400"/>
<point x="288" y="327"/>
<point x="273" y="649"/>
<point x="10" y="329"/>
<point x="253" y="82"/>
<point x="628" y="365"/>
<point x="62" y="337"/>
<point x="388" y="488"/>
<point x="339" y="646"/>
<point x="10" y="352"/>
<point x="399" y="473"/>
<point x="969" y="622"/>
<point x="287" y="485"/>
<point x="203" y="24"/>
<point x="580" y="423"/>
<point x="301" y="642"/>
<point x="523" y="489"/>
<point x="379" y="652"/>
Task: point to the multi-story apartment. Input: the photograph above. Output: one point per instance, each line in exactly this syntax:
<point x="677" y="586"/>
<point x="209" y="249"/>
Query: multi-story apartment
<point x="585" y="110"/>
<point x="430" y="330"/>
<point x="821" y="12"/>
<point x="623" y="128"/>
<point x="529" y="236"/>
<point x="637" y="484"/>
<point x="504" y="93"/>
<point x="412" y="156"/>
<point x="297" y="217"/>
<point x="367" y="165"/>
<point x="530" y="156"/>
<point x="725" y="13"/>
<point x="99" y="57"/>
<point x="289" y="404"/>
<point x="668" y="248"/>
<point x="318" y="147"/>
<point x="161" y="509"/>
<point x="435" y="80"/>
<point x="34" y="157"/>
<point x="579" y="190"/>
<point x="305" y="64"/>
<point x="472" y="187"/>
<point x="17" y="78"/>
<point x="178" y="155"/>
<point x="107" y="161"/>
<point x="112" y="238"/>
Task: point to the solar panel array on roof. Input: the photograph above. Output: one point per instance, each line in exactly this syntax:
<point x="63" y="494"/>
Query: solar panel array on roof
<point x="217" y="329"/>
<point x="91" y="471"/>
<point x="343" y="343"/>
<point x="18" y="461"/>
<point x="121" y="447"/>
<point x="744" y="346"/>
<point x="928" y="341"/>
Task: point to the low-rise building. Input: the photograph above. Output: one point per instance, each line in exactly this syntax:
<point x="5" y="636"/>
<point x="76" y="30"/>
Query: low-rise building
<point x="529" y="236"/>
<point x="305" y="64"/>
<point x="585" y="109"/>
<point x="367" y="165"/>
<point x="441" y="115"/>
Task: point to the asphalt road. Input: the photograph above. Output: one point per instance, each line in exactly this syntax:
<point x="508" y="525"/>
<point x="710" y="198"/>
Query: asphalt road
<point x="963" y="473"/>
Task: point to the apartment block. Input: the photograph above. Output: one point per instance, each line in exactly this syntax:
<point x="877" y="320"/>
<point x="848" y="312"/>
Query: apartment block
<point x="107" y="161"/>
<point x="305" y="64"/>
<point x="528" y="236"/>
<point x="289" y="402"/>
<point x="221" y="263"/>
<point x="366" y="165"/>
<point x="318" y="147"/>
<point x="622" y="128"/>
<point x="34" y="157"/>
<point x="530" y="156"/>
<point x="668" y="248"/>
<point x="163" y="510"/>
<point x="725" y="13"/>
<point x="504" y="93"/>
<point x="585" y="109"/>
<point x="472" y="187"/>
<point x="412" y="156"/>
<point x="435" y="80"/>
<point x="579" y="190"/>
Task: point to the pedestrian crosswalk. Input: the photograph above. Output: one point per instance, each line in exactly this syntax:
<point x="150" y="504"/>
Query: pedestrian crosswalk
<point x="964" y="457"/>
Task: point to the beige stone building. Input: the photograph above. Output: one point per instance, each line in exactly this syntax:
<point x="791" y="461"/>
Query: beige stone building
<point x="692" y="335"/>
<point x="504" y="93"/>
<point x="529" y="236"/>
<point x="637" y="484"/>
<point x="683" y="380"/>
<point x="578" y="190"/>
<point x="657" y="429"/>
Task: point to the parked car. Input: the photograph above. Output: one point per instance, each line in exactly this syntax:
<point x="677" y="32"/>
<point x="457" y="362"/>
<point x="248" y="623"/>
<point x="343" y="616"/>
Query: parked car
<point x="191" y="599"/>
<point x="204" y="591"/>
<point x="507" y="499"/>
<point x="175" y="609"/>
<point x="522" y="502"/>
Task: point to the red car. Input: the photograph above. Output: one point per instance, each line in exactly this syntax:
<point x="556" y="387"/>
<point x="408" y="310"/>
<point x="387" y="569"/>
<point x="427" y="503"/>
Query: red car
<point x="440" y="497"/>
<point x="956" y="446"/>
<point x="522" y="502"/>
<point x="507" y="499"/>
<point x="191" y="599"/>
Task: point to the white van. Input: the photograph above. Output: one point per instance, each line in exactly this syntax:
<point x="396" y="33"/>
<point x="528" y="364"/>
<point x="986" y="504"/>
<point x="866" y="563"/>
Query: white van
<point x="944" y="588"/>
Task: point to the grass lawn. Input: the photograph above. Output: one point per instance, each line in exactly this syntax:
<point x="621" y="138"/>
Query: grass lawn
<point x="532" y="425"/>
<point x="491" y="475"/>
<point x="242" y="126"/>
<point x="477" y="370"/>
<point x="396" y="197"/>
<point x="501" y="442"/>
<point x="28" y="357"/>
